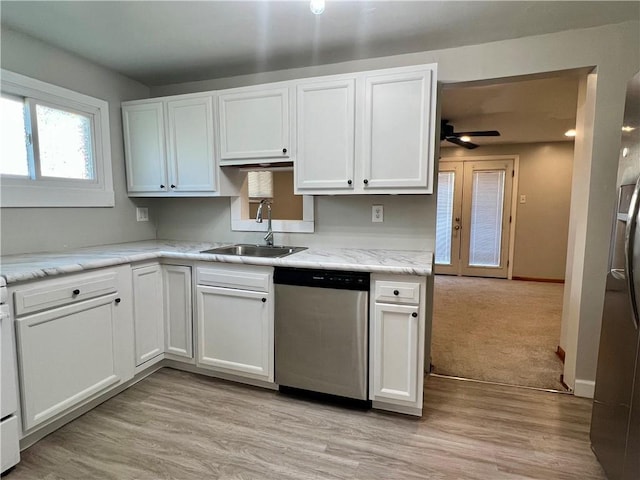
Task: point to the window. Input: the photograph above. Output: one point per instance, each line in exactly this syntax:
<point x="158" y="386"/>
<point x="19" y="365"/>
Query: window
<point x="54" y="148"/>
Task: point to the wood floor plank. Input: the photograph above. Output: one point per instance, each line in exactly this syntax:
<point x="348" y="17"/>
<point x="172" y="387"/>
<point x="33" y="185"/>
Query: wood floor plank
<point x="178" y="425"/>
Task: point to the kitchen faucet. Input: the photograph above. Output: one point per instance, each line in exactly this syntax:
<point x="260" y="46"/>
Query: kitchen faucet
<point x="269" y="236"/>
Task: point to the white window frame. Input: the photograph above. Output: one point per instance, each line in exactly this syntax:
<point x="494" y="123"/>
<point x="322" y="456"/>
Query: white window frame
<point x="18" y="191"/>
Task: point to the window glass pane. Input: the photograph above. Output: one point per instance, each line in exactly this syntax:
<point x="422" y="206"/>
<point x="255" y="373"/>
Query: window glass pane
<point x="13" y="141"/>
<point x="64" y="141"/>
<point x="486" y="218"/>
<point x="444" y="217"/>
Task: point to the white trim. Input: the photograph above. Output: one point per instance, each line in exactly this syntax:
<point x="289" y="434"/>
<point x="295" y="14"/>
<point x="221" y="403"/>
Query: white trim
<point x="584" y="388"/>
<point x="47" y="192"/>
<point x="514" y="199"/>
<point x="239" y="222"/>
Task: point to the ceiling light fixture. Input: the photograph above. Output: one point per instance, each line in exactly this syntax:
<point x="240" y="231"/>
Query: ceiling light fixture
<point x="625" y="152"/>
<point x="465" y="138"/>
<point x="627" y="128"/>
<point x="570" y="133"/>
<point x="316" y="6"/>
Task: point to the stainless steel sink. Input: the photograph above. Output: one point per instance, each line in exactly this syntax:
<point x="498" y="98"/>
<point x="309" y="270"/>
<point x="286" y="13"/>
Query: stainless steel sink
<point x="247" y="250"/>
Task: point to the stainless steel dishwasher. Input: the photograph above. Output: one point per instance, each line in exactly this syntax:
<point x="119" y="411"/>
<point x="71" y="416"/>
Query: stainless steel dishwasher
<point x="321" y="331"/>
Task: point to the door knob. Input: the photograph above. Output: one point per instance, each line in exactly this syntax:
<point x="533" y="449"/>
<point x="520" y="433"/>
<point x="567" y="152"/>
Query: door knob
<point x="457" y="227"/>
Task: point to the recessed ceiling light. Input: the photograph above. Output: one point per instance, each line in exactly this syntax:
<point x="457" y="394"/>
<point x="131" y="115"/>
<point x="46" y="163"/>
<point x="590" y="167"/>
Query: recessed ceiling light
<point x="627" y="128"/>
<point x="570" y="133"/>
<point x="316" y="6"/>
<point x="465" y="138"/>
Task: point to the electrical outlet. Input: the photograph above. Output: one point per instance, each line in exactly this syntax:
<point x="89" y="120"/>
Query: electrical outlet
<point x="377" y="213"/>
<point x="142" y="214"/>
<point x="523" y="199"/>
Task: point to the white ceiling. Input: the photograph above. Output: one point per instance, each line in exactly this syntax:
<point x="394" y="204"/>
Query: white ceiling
<point x="166" y="42"/>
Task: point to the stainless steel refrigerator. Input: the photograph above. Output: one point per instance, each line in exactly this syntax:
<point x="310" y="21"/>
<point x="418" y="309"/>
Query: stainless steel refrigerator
<point x="615" y="421"/>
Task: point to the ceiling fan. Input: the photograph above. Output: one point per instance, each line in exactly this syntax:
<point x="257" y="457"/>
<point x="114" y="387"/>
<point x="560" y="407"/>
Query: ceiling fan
<point x="447" y="133"/>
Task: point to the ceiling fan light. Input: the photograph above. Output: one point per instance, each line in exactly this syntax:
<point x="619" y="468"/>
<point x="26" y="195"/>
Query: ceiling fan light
<point x="570" y="133"/>
<point x="465" y="138"/>
<point x="316" y="6"/>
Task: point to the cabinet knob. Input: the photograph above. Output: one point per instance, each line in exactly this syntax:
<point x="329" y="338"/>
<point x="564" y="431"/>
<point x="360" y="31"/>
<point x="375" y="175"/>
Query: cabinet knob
<point x="76" y="291"/>
<point x="117" y="300"/>
<point x="284" y="150"/>
<point x="414" y="314"/>
<point x="162" y="186"/>
<point x="173" y="186"/>
<point x="349" y="182"/>
<point x="396" y="292"/>
<point x="264" y="300"/>
<point x="366" y="182"/>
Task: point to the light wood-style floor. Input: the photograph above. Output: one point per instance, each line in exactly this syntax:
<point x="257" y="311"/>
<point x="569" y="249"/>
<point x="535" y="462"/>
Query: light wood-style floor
<point x="177" y="425"/>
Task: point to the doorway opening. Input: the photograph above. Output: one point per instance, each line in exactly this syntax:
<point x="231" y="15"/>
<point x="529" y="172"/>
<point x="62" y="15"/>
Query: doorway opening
<point x="502" y="230"/>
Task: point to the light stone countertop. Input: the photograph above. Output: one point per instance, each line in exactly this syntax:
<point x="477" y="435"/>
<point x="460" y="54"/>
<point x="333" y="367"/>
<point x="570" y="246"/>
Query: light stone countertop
<point x="25" y="267"/>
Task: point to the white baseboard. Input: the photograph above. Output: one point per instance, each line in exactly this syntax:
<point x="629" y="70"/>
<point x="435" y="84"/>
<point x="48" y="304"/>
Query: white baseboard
<point x="584" y="388"/>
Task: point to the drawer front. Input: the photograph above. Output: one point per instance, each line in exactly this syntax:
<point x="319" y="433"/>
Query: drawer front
<point x="246" y="277"/>
<point x="397" y="292"/>
<point x="9" y="443"/>
<point x="57" y="293"/>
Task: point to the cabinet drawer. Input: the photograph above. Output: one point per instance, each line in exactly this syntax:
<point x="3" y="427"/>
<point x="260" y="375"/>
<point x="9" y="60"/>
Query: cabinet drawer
<point x="56" y="293"/>
<point x="397" y="292"/>
<point x="244" y="277"/>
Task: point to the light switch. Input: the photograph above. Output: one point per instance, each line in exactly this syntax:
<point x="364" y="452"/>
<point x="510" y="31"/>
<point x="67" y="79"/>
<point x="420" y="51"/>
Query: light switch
<point x="377" y="213"/>
<point x="523" y="199"/>
<point x="142" y="214"/>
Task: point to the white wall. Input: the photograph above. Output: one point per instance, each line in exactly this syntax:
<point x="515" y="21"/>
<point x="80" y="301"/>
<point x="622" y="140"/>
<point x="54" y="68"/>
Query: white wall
<point x="613" y="49"/>
<point x="542" y="223"/>
<point x="44" y="229"/>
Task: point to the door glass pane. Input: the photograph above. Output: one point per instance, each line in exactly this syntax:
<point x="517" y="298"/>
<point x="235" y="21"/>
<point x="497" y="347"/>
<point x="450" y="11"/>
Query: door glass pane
<point x="13" y="137"/>
<point x="486" y="218"/>
<point x="65" y="144"/>
<point x="444" y="217"/>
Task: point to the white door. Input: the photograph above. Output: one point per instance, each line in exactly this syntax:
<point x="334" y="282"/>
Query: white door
<point x="325" y="136"/>
<point x="254" y="124"/>
<point x="144" y="144"/>
<point x="235" y="331"/>
<point x="177" y="310"/>
<point x="192" y="166"/>
<point x="67" y="355"/>
<point x="474" y="218"/>
<point x="148" y="317"/>
<point x="399" y="133"/>
<point x="396" y="364"/>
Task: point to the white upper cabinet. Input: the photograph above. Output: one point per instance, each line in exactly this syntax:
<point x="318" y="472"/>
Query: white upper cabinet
<point x="191" y="158"/>
<point x="254" y="125"/>
<point x="170" y="148"/>
<point x="371" y="132"/>
<point x="144" y="146"/>
<point x="325" y="120"/>
<point x="399" y="133"/>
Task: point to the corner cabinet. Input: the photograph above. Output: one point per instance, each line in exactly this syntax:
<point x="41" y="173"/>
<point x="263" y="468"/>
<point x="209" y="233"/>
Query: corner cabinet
<point x="74" y="339"/>
<point x="235" y="321"/>
<point x="169" y="148"/>
<point x="372" y="132"/>
<point x="254" y="125"/>
<point x="397" y="333"/>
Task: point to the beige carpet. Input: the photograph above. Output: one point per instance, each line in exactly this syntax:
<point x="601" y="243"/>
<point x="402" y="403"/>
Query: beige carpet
<point x="497" y="330"/>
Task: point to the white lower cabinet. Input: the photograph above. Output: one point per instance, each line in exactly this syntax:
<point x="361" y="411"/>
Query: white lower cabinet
<point x="148" y="312"/>
<point x="77" y="350"/>
<point x="397" y="325"/>
<point x="178" y="317"/>
<point x="235" y="320"/>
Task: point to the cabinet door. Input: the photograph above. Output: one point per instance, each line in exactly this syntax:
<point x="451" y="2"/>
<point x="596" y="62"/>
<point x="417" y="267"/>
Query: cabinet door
<point x="191" y="158"/>
<point x="325" y="136"/>
<point x="394" y="362"/>
<point x="177" y="311"/>
<point x="68" y="355"/>
<point x="235" y="331"/>
<point x="144" y="147"/>
<point x="399" y="133"/>
<point x="254" y="124"/>
<point x="148" y="318"/>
